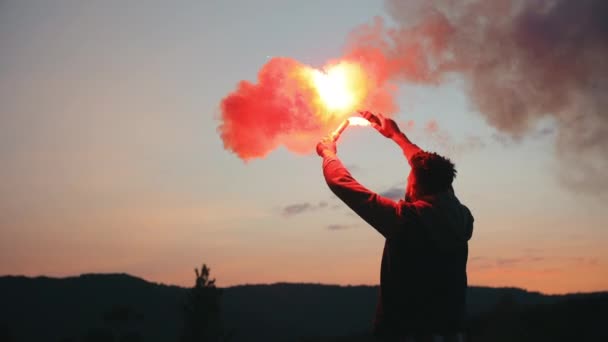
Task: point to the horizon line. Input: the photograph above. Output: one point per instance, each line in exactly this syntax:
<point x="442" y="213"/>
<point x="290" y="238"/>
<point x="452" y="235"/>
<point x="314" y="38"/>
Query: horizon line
<point x="277" y="283"/>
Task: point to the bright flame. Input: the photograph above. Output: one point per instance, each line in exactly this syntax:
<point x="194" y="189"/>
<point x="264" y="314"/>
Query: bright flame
<point x="333" y="89"/>
<point x="341" y="88"/>
<point x="352" y="121"/>
<point x="358" y="121"/>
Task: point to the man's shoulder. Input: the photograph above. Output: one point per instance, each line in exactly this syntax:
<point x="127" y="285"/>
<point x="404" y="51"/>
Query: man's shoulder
<point x="417" y="207"/>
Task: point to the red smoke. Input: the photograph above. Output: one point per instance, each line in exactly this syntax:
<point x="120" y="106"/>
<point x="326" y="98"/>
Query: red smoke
<point x="285" y="107"/>
<point x="521" y="61"/>
<point x="257" y="118"/>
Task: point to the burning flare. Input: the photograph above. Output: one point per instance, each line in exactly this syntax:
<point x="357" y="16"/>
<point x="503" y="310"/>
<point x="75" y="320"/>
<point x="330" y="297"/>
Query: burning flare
<point x="358" y="121"/>
<point x="352" y="121"/>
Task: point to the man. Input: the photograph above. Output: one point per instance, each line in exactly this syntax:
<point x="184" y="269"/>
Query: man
<point x="423" y="277"/>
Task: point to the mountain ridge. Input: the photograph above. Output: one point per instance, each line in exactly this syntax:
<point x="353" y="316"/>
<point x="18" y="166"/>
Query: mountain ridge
<point x="38" y="307"/>
<point x="278" y="283"/>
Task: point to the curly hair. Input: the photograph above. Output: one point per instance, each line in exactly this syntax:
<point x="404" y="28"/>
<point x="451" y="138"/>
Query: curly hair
<point x="433" y="173"/>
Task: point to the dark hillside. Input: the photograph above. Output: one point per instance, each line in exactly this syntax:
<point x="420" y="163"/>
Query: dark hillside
<point x="52" y="309"/>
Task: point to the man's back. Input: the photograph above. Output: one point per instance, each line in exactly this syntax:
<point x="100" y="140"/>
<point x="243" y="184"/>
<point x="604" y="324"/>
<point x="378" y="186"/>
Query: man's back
<point x="423" y="275"/>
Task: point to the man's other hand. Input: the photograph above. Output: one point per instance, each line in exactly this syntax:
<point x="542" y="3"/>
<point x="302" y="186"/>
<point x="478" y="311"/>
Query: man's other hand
<point x="387" y="127"/>
<point x="326" y="147"/>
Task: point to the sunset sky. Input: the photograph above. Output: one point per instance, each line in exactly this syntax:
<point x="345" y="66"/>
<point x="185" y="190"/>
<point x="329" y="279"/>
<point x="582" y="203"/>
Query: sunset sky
<point x="111" y="160"/>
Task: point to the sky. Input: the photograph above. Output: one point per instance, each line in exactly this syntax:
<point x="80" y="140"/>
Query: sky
<point x="111" y="160"/>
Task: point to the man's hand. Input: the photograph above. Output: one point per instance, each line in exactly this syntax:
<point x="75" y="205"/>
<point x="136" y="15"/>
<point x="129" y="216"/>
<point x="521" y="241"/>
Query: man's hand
<point x="326" y="147"/>
<point x="387" y="127"/>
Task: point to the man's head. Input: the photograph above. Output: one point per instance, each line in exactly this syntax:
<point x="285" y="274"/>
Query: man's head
<point x="431" y="174"/>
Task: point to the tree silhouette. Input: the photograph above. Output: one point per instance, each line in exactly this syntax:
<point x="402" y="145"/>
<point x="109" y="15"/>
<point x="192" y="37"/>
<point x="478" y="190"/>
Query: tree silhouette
<point x="202" y="321"/>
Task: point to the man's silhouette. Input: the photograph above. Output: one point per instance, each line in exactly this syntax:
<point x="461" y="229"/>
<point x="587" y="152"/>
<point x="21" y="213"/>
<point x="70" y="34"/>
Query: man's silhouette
<point x="423" y="278"/>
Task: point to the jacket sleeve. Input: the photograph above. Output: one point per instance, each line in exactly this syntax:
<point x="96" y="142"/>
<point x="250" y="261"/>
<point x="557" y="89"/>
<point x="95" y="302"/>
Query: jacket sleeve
<point x="385" y="215"/>
<point x="409" y="149"/>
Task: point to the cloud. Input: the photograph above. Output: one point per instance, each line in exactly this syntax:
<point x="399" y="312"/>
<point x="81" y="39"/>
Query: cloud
<point x="506" y="262"/>
<point x="525" y="261"/>
<point x="297" y="208"/>
<point x="487" y="263"/>
<point x="353" y="167"/>
<point x="395" y="192"/>
<point x="543" y="132"/>
<point x="303" y="207"/>
<point x="340" y="226"/>
<point x="584" y="261"/>
<point x="335" y="206"/>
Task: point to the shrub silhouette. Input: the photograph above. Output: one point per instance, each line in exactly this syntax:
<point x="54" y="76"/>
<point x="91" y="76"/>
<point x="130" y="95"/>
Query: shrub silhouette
<point x="202" y="316"/>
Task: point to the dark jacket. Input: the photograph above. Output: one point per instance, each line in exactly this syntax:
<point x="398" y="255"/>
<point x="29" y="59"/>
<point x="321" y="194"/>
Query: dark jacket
<point x="423" y="276"/>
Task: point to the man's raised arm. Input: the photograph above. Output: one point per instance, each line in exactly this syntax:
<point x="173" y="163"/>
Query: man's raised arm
<point x="384" y="214"/>
<point x="408" y="148"/>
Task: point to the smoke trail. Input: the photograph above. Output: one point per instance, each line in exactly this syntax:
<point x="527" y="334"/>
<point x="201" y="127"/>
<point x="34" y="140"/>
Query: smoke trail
<point x="522" y="61"/>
